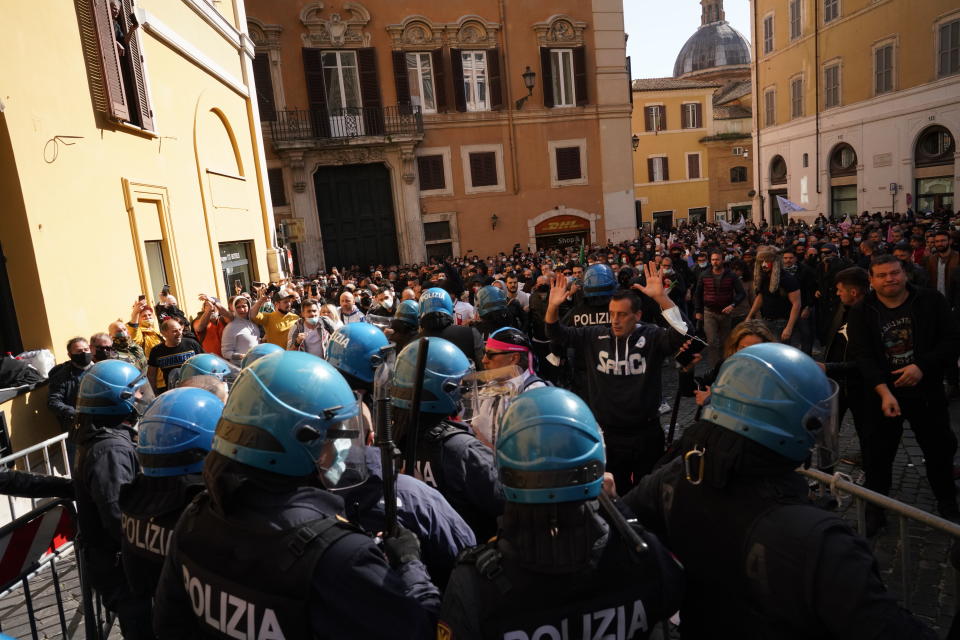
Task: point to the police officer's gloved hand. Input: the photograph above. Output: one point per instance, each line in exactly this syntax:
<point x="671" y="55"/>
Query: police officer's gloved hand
<point x="402" y="548"/>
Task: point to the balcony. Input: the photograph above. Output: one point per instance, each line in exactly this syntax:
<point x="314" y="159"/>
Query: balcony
<point x="339" y="125"/>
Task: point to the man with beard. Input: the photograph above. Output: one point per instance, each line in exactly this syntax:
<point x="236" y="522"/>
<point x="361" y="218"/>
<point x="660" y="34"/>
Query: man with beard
<point x="778" y="294"/>
<point x="807" y="280"/>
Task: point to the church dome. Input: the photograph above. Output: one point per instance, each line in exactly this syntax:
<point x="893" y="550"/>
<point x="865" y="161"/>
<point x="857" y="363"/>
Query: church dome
<point x="715" y="44"/>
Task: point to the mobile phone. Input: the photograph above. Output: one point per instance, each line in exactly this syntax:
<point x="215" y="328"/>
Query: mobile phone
<point x="165" y="289"/>
<point x="256" y="283"/>
<point x="142" y="298"/>
<point x="696" y="346"/>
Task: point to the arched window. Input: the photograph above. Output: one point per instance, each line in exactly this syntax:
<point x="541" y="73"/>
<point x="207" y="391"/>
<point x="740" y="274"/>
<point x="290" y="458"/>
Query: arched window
<point x="738" y="174"/>
<point x="935" y="147"/>
<point x="843" y="161"/>
<point x="778" y="170"/>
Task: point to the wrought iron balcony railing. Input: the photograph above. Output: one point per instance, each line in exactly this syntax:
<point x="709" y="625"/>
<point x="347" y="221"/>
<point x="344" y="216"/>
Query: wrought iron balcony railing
<point x="351" y="122"/>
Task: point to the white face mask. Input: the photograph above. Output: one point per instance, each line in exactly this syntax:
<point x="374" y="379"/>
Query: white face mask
<point x="314" y="321"/>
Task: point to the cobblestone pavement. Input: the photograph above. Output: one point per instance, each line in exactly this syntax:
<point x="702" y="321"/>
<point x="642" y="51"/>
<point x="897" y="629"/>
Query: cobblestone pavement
<point x="933" y="583"/>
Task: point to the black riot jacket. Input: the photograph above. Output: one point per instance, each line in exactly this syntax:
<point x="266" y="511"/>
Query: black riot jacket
<point x="497" y="591"/>
<point x="150" y="508"/>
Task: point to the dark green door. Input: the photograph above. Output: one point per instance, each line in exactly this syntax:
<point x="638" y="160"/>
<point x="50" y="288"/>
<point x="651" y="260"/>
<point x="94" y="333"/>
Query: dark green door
<point x="356" y="215"/>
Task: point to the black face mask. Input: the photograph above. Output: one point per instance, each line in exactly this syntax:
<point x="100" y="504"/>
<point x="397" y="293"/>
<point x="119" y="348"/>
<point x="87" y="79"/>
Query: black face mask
<point x="104" y="353"/>
<point x="81" y="359"/>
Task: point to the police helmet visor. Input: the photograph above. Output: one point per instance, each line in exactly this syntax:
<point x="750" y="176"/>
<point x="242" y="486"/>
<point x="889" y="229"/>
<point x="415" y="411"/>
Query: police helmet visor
<point x="487" y="396"/>
<point x="142" y="397"/>
<point x="342" y="462"/>
<point x="823" y="421"/>
<point x="380" y="322"/>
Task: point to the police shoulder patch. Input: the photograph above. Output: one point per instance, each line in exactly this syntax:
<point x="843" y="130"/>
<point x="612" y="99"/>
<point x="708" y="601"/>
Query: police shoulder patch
<point x="443" y="631"/>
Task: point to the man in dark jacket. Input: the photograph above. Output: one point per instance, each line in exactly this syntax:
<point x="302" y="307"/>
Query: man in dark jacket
<point x="622" y="363"/>
<point x="65" y="381"/>
<point x="718" y="293"/>
<point x="903" y="339"/>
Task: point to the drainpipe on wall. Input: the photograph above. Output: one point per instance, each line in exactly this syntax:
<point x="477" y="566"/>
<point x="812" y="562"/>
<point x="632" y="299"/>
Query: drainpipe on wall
<point x="508" y="99"/>
<point x="816" y="71"/>
<point x="275" y="259"/>
<point x="756" y="113"/>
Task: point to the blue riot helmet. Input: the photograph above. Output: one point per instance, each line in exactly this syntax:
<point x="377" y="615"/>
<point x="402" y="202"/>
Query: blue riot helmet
<point x="113" y="388"/>
<point x="282" y="412"/>
<point x="599" y="281"/>
<point x="550" y="448"/>
<point x="257" y="352"/>
<point x="446" y="368"/>
<point x="206" y="364"/>
<point x="176" y="432"/>
<point x="356" y="349"/>
<point x="408" y="312"/>
<point x="490" y="299"/>
<point x="436" y="300"/>
<point x="777" y="396"/>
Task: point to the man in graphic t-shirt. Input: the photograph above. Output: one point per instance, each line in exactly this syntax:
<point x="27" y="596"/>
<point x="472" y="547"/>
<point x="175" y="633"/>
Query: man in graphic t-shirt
<point x="902" y="339"/>
<point x="168" y="356"/>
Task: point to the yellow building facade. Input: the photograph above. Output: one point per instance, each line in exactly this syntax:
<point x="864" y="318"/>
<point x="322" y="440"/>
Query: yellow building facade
<point x="399" y="132"/>
<point x="130" y="158"/>
<point x="857" y="104"/>
<point x="692" y="131"/>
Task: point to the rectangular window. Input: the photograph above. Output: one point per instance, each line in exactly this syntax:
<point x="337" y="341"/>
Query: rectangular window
<point x="738" y="174"/>
<point x="475" y="84"/>
<point x="831" y="86"/>
<point x="831" y="10"/>
<point x="768" y="34"/>
<point x="438" y="239"/>
<point x="949" y="48"/>
<point x="738" y="151"/>
<point x="278" y="195"/>
<point x="693" y="166"/>
<point x="235" y="260"/>
<point x="883" y="69"/>
<point x="796" y="26"/>
<point x="568" y="163"/>
<point x="430" y="170"/>
<point x="796" y="98"/>
<point x="655" y="118"/>
<point x="770" y="108"/>
<point x="657" y="169"/>
<point x="264" y="84"/>
<point x="561" y="69"/>
<point x="692" y="117"/>
<point x="156" y="265"/>
<point x="483" y="169"/>
<point x="420" y="77"/>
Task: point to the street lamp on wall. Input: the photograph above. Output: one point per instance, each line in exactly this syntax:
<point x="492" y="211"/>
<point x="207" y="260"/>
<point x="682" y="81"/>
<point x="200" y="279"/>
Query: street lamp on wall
<point x="494" y="219"/>
<point x="635" y="141"/>
<point x="529" y="80"/>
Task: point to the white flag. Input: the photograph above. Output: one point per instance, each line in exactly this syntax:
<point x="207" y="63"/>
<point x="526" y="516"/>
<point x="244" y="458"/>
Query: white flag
<point x="787" y="207"/>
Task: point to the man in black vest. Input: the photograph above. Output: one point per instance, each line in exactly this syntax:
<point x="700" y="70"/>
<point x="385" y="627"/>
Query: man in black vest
<point x="564" y="564"/>
<point x="265" y="552"/>
<point x="760" y="560"/>
<point x="448" y="456"/>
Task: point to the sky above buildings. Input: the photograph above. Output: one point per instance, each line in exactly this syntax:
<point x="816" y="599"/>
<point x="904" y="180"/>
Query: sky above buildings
<point x="658" y="29"/>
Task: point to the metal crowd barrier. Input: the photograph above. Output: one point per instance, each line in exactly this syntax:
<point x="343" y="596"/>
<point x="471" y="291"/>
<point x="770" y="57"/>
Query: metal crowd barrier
<point x="36" y="540"/>
<point x="838" y="483"/>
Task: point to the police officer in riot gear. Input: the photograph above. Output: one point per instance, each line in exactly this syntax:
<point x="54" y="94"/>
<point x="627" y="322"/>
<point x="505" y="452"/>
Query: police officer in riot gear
<point x="493" y="311"/>
<point x="206" y="364"/>
<point x="436" y="320"/>
<point x="112" y="395"/>
<point x="449" y="457"/>
<point x="589" y="309"/>
<point x="174" y="438"/>
<point x="265" y="551"/>
<point x="257" y="352"/>
<point x="356" y="350"/>
<point x="562" y="566"/>
<point x="771" y="565"/>
<point x="404" y="324"/>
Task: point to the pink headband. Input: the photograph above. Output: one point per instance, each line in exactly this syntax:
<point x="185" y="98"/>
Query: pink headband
<point x="493" y="343"/>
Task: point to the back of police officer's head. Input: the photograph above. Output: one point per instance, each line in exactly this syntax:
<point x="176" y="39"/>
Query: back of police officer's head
<point x="279" y="422"/>
<point x="550" y="460"/>
<point x="112" y="392"/>
<point x="441" y="390"/>
<point x="771" y="402"/>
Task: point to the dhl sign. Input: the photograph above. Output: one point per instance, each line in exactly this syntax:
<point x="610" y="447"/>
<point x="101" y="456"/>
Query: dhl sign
<point x="562" y="224"/>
